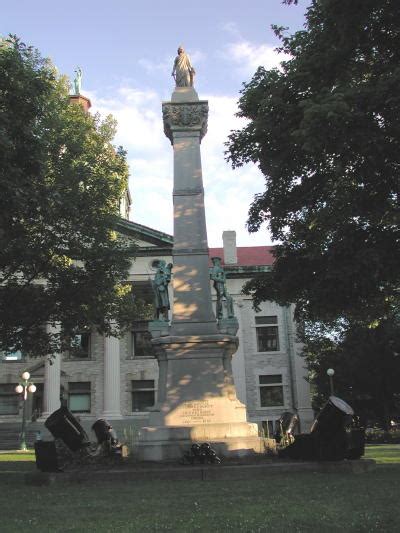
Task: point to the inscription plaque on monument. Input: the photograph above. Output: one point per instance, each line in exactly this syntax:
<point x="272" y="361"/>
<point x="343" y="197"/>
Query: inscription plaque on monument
<point x="197" y="412"/>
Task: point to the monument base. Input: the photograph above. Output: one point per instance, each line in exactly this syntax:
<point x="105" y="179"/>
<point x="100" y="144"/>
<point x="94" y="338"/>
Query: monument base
<point x="165" y="443"/>
<point x="197" y="400"/>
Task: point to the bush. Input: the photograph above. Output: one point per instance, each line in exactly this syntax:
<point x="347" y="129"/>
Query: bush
<point x="378" y="436"/>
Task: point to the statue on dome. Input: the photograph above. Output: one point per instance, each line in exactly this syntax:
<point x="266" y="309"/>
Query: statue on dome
<point x="78" y="80"/>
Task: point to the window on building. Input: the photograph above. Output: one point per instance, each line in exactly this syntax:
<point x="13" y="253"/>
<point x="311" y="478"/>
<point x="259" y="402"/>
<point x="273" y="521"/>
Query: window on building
<point x="9" y="399"/>
<point x="141" y="344"/>
<point x="79" y="397"/>
<point x="271" y="390"/>
<point x="80" y="345"/>
<point x="267" y="333"/>
<point x="11" y="356"/>
<point x="143" y="394"/>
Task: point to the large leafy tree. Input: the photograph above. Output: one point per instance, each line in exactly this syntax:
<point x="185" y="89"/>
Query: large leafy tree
<point x="61" y="178"/>
<point x="367" y="367"/>
<point x="325" y="132"/>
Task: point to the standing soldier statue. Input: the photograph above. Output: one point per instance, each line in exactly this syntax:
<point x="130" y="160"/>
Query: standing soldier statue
<point x="160" y="287"/>
<point x="218" y="275"/>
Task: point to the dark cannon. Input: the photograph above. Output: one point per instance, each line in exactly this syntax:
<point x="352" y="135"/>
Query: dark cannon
<point x="335" y="435"/>
<point x="200" y="453"/>
<point x="106" y="437"/>
<point x="72" y="445"/>
<point x="287" y="425"/>
<point x="65" y="428"/>
<point x="63" y="425"/>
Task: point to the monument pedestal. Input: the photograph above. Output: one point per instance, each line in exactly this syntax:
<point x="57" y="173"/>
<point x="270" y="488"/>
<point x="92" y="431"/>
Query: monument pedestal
<point x="197" y="401"/>
<point x="228" y="440"/>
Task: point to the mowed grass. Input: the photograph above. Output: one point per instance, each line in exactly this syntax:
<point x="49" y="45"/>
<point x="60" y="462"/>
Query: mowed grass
<point x="284" y="502"/>
<point x="17" y="461"/>
<point x="384" y="453"/>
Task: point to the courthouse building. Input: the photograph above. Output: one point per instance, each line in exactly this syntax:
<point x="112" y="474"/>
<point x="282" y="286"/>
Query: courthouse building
<point x="117" y="378"/>
<point x="106" y="377"/>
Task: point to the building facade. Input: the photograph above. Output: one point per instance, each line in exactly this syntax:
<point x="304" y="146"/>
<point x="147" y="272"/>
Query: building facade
<point x="117" y="379"/>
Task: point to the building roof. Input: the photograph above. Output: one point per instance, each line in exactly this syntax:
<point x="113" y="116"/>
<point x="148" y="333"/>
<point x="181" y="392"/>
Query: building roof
<point x="248" y="255"/>
<point x="145" y="233"/>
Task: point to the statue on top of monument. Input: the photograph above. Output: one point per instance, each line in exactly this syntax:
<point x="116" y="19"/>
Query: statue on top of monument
<point x="182" y="71"/>
<point x="78" y="80"/>
<point x="160" y="287"/>
<point x="217" y="274"/>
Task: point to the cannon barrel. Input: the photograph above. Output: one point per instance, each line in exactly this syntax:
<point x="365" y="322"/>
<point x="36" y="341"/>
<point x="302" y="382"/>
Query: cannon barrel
<point x="63" y="425"/>
<point x="331" y="419"/>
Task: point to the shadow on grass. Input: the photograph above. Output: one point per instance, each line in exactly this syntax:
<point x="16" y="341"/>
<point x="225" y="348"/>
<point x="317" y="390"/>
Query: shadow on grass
<point x="299" y="501"/>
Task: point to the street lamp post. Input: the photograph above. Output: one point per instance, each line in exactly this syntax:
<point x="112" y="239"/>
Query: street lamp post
<point x="331" y="373"/>
<point x="24" y="387"/>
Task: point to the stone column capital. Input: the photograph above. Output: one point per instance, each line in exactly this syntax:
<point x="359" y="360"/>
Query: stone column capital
<point x="188" y="117"/>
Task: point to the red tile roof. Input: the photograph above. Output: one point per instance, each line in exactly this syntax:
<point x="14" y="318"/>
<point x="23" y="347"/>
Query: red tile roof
<point x="248" y="255"/>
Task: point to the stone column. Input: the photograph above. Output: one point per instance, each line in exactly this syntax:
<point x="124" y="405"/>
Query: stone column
<point x="185" y="123"/>
<point x="112" y="379"/>
<point x="51" y="400"/>
<point x="52" y="373"/>
<point x="197" y="398"/>
<point x="230" y="249"/>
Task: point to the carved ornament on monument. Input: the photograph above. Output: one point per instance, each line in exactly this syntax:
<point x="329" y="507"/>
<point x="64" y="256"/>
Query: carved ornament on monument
<point x="185" y="117"/>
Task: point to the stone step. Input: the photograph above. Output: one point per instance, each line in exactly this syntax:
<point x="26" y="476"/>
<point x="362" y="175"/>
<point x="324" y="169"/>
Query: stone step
<point x="10" y="436"/>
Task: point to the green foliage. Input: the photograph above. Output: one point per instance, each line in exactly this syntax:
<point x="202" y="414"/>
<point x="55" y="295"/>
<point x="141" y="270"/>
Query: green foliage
<point x="61" y="180"/>
<point x="379" y="436"/>
<point x="325" y="132"/>
<point x="366" y="361"/>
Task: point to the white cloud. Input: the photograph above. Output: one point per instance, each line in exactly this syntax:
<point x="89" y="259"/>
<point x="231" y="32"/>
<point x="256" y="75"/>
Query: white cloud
<point x="247" y="56"/>
<point x="196" y="57"/>
<point x="152" y="67"/>
<point x="138" y="116"/>
<point x="150" y="156"/>
<point x="232" y="29"/>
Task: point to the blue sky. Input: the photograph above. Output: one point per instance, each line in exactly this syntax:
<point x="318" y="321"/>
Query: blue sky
<point x="126" y="50"/>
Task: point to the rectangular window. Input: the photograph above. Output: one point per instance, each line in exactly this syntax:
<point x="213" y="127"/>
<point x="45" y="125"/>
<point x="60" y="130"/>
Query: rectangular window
<point x="141" y="342"/>
<point x="79" y="397"/>
<point x="11" y="356"/>
<point x="80" y="345"/>
<point x="267" y="335"/>
<point x="9" y="399"/>
<point x="143" y="394"/>
<point x="271" y="390"/>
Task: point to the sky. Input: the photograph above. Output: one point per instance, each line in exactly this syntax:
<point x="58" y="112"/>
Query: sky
<point x="126" y="49"/>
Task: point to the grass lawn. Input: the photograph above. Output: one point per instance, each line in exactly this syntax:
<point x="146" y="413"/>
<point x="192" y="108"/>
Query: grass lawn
<point x="285" y="502"/>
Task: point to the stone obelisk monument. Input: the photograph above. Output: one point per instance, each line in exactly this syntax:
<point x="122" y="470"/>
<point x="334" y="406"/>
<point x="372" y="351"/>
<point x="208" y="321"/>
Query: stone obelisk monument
<point x="196" y="394"/>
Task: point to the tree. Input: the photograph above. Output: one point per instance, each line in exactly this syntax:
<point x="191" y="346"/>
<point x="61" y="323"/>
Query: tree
<point x="366" y="361"/>
<point x="325" y="132"/>
<point x="61" y="260"/>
